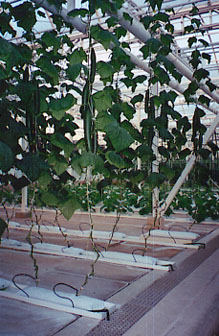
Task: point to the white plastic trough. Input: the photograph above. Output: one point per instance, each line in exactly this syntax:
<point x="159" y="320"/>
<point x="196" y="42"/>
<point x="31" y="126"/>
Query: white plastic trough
<point x="106" y="256"/>
<point x="83" y="305"/>
<point x="155" y="237"/>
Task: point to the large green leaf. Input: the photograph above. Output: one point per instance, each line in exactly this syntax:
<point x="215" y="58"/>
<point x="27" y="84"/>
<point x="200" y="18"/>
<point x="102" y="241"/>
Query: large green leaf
<point x="44" y="179"/>
<point x="32" y="165"/>
<point x="90" y="159"/>
<point x="49" y="68"/>
<point x="77" y="57"/>
<point x="50" y="199"/>
<point x="105" y="71"/>
<point x="145" y="153"/>
<point x="6" y="157"/>
<point x="155" y="179"/>
<point x="73" y="71"/>
<point x="102" y="100"/>
<point x="59" y="140"/>
<point x="58" y="107"/>
<point x="51" y="40"/>
<point x="119" y="137"/>
<point x="59" y="163"/>
<point x="69" y="206"/>
<point x="167" y="171"/>
<point x="115" y="159"/>
<point x="103" y="36"/>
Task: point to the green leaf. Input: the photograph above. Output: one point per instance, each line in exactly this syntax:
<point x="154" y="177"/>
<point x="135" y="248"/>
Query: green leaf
<point x="106" y="71"/>
<point x="44" y="179"/>
<point x="147" y="20"/>
<point x="127" y="17"/>
<point x="167" y="171"/>
<point x="73" y="71"/>
<point x="90" y="159"/>
<point x="50" y="39"/>
<point x="200" y="74"/>
<point x="69" y="206"/>
<point x="78" y="12"/>
<point x="32" y="165"/>
<point x="145" y="153"/>
<point x="204" y="153"/>
<point x="78" y="56"/>
<point x="59" y="163"/>
<point x="184" y="153"/>
<point x="137" y="99"/>
<point x="50" y="199"/>
<point x="191" y="41"/>
<point x="103" y="36"/>
<point x="207" y="57"/>
<point x="6" y="157"/>
<point x="58" y="107"/>
<point x="154" y="45"/>
<point x="156" y="3"/>
<point x="211" y="86"/>
<point x="166" y="39"/>
<point x="204" y="100"/>
<point x="132" y="130"/>
<point x="213" y="147"/>
<point x="115" y="159"/>
<point x="128" y="110"/>
<point x="26" y="21"/>
<point x="205" y="43"/>
<point x="102" y="100"/>
<point x="155" y="180"/>
<point x="119" y="137"/>
<point x="3" y="226"/>
<point x="50" y="69"/>
<point x="59" y="140"/>
<point x="161" y="16"/>
<point x="164" y="151"/>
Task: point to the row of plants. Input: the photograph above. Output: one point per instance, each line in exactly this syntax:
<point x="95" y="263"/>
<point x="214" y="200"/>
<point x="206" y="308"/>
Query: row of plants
<point x="200" y="202"/>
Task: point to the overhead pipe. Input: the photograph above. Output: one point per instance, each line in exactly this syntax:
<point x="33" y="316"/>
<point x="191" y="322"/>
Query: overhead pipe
<point x="172" y="83"/>
<point x="138" y="30"/>
<point x="76" y="22"/>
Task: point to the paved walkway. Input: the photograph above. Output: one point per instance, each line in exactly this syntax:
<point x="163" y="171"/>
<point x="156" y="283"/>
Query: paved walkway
<point x="180" y="303"/>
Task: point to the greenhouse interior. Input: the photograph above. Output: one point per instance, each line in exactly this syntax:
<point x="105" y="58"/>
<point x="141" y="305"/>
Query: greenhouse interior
<point x="109" y="167"/>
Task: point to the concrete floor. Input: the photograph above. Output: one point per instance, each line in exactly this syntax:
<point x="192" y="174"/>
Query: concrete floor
<point x="115" y="283"/>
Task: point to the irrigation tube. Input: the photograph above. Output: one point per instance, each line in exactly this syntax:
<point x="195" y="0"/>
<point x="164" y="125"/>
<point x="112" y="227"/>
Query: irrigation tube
<point x="187" y="170"/>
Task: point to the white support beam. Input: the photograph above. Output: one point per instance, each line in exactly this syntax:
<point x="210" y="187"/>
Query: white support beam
<point x="138" y="30"/>
<point x="172" y="83"/>
<point x="75" y="22"/>
<point x="187" y="169"/>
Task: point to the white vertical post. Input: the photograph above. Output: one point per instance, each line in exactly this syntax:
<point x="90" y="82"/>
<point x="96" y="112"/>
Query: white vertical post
<point x="24" y="190"/>
<point x="155" y="163"/>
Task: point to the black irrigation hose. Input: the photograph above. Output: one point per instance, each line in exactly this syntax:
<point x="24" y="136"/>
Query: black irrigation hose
<point x="138" y="249"/>
<point x="64" y="297"/>
<point x="83" y="223"/>
<point x="22" y="274"/>
<point x="104" y="310"/>
<point x="176" y="225"/>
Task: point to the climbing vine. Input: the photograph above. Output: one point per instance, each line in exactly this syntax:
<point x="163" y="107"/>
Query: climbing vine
<point x="43" y="76"/>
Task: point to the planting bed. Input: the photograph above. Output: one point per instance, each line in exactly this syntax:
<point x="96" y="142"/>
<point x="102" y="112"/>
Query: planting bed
<point x="97" y="280"/>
